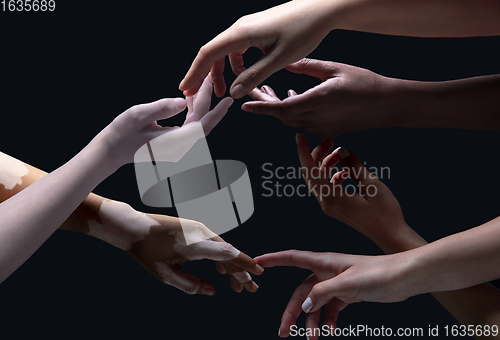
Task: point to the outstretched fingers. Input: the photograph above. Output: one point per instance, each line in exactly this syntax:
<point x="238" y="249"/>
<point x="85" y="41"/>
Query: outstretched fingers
<point x="172" y="275"/>
<point x="294" y="307"/>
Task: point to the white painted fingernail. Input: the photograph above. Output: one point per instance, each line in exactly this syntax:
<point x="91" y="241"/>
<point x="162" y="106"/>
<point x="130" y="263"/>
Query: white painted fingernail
<point x="337" y="149"/>
<point x="259" y="268"/>
<point x="307" y="305"/>
<point x="343" y="153"/>
<point x="279" y="332"/>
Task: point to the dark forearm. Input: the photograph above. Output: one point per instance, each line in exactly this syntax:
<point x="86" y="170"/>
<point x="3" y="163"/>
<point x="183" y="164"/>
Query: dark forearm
<point x="458" y="104"/>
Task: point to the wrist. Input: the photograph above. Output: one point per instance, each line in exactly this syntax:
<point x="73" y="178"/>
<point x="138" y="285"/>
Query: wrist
<point x="336" y="13"/>
<point x="401" y="238"/>
<point x="415" y="268"/>
<point x="407" y="274"/>
<point x="118" y="224"/>
<point x="409" y="103"/>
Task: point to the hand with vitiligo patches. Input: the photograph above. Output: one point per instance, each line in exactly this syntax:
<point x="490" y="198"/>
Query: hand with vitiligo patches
<point x="53" y="198"/>
<point x="159" y="244"/>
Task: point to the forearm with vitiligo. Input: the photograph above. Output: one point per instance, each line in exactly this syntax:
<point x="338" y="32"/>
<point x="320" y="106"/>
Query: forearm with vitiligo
<point x="32" y="215"/>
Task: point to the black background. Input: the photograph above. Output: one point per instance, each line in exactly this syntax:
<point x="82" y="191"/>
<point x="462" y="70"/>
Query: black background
<point x="65" y="75"/>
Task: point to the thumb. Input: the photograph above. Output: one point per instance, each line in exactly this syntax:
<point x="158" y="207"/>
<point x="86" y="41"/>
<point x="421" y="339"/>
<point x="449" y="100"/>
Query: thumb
<point x="313" y="67"/>
<point x="323" y="292"/>
<point x="255" y="74"/>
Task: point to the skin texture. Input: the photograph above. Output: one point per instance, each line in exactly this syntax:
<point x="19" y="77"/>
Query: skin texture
<point x="351" y="278"/>
<point x="160" y="241"/>
<point x="352" y="99"/>
<point x="289" y="32"/>
<point x="61" y="199"/>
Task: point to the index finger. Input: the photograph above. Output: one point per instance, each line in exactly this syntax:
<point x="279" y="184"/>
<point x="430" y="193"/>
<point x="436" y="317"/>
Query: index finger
<point x="288" y="258"/>
<point x="207" y="56"/>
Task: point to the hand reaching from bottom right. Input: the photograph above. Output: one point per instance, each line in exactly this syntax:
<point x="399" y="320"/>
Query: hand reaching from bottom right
<point x="337" y="280"/>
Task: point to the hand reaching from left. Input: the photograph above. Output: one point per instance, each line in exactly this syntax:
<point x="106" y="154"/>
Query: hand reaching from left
<point x="138" y="125"/>
<point x="158" y="243"/>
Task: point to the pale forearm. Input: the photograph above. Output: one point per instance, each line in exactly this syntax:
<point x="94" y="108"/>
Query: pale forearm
<point x="458" y="261"/>
<point x="426" y="18"/>
<point x="477" y="305"/>
<point x="458" y="104"/>
<point x="32" y="215"/>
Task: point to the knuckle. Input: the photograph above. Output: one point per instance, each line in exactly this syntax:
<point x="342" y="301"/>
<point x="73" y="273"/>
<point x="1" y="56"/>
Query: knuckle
<point x="166" y="105"/>
<point x="191" y="287"/>
<point x="304" y="62"/>
<point x="227" y="249"/>
<point x="253" y="75"/>
<point x="134" y="113"/>
<point x="318" y="291"/>
<point x="203" y="50"/>
<point x="282" y="112"/>
<point x="242" y="20"/>
<point x="287" y="314"/>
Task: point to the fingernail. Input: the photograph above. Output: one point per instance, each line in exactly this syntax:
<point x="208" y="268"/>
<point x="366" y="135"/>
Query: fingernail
<point x="259" y="268"/>
<point x="337" y="149"/>
<point x="208" y="291"/>
<point x="279" y="332"/>
<point x="307" y="305"/>
<point x="238" y="91"/>
<point x="180" y="103"/>
<point x="343" y="153"/>
<point x="246" y="108"/>
<point x="297" y="137"/>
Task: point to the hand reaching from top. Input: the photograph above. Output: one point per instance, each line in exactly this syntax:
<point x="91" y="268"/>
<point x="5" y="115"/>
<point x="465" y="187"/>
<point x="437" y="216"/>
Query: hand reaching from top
<point x="285" y="34"/>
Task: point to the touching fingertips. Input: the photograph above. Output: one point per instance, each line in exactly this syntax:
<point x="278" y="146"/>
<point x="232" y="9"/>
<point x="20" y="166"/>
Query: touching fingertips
<point x="259" y="269"/>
